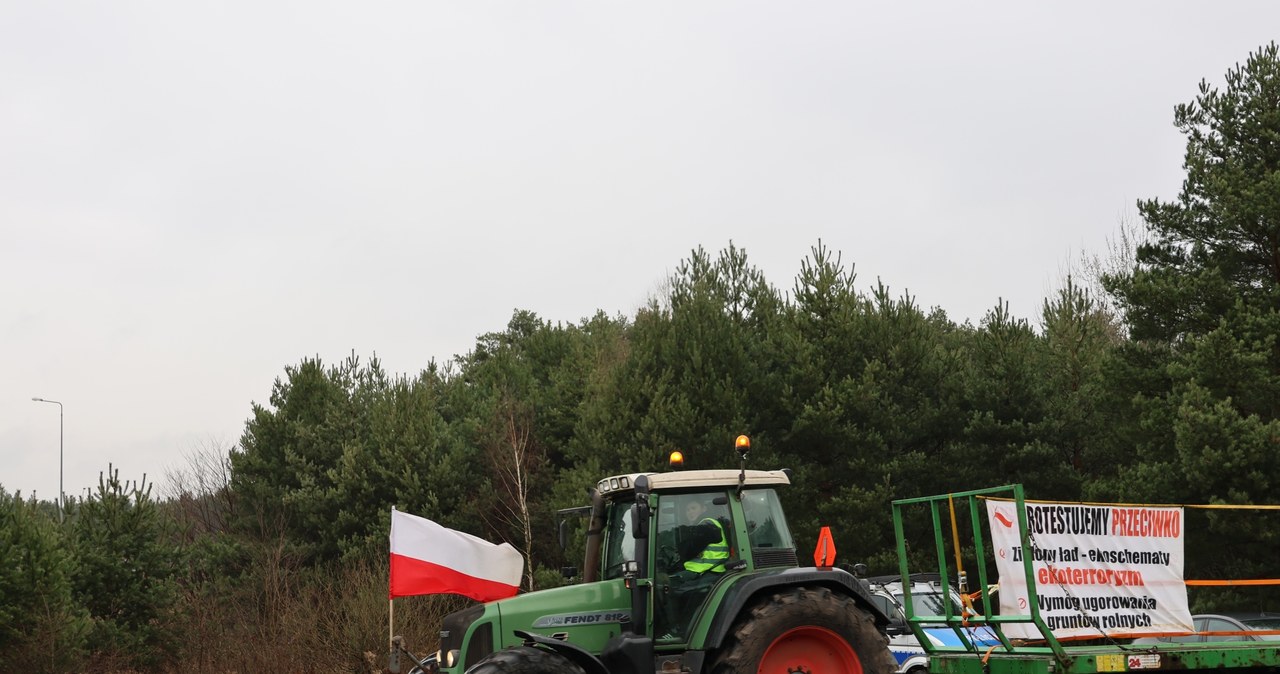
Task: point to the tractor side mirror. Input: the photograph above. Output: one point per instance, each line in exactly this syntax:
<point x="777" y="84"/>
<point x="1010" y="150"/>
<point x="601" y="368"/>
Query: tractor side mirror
<point x="640" y="521"/>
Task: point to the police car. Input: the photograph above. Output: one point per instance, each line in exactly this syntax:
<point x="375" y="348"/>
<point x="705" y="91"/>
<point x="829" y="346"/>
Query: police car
<point x="927" y="599"/>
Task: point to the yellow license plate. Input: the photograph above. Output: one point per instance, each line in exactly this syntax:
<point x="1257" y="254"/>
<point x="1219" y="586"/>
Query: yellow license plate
<point x="1111" y="663"/>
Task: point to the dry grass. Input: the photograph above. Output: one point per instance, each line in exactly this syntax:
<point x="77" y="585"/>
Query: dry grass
<point x="307" y="621"/>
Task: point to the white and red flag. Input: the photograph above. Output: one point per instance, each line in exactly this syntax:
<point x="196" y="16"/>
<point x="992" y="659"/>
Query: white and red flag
<point x="427" y="558"/>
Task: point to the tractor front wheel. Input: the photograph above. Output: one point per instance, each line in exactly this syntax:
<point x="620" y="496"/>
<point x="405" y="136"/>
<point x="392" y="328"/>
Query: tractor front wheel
<point x="524" y="660"/>
<point x="808" y="630"/>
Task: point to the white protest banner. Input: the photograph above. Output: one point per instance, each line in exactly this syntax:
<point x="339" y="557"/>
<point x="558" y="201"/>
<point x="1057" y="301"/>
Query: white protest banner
<point x="1113" y="569"/>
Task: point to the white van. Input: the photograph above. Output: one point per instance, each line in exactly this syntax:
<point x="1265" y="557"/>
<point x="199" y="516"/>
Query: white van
<point x="927" y="599"/>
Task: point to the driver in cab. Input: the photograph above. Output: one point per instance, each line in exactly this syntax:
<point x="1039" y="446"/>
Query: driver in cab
<point x="695" y="559"/>
<point x="702" y="543"/>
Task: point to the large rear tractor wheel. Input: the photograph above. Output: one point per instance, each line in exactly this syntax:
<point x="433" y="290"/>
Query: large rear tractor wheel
<point x="808" y="630"/>
<point x="524" y="660"/>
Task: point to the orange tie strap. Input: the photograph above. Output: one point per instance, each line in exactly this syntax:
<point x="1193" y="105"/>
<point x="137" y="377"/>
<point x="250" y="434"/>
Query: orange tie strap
<point x="1258" y="581"/>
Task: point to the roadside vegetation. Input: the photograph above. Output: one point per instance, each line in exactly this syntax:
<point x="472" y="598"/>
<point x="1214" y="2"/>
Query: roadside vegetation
<point x="1151" y="375"/>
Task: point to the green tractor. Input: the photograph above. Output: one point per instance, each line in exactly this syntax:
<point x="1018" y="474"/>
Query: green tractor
<point x="685" y="571"/>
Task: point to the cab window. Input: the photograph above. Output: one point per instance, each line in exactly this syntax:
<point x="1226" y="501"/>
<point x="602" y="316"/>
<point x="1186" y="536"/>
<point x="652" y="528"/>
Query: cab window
<point x="619" y="546"/>
<point x="766" y="525"/>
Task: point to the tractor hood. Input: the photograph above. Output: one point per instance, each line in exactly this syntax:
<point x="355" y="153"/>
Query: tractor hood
<point x="587" y="615"/>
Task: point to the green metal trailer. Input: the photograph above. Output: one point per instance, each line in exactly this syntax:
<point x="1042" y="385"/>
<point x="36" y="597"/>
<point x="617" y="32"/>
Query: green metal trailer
<point x="1046" y="654"/>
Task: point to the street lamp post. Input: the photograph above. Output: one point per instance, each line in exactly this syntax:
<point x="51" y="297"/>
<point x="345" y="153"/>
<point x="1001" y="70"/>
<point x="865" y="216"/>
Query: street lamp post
<point x="55" y="402"/>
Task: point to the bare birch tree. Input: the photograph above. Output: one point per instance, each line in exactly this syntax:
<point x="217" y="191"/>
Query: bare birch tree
<point x="514" y="459"/>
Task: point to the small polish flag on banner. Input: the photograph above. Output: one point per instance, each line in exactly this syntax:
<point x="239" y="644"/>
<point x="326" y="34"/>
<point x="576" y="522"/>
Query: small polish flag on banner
<point x="427" y="558"/>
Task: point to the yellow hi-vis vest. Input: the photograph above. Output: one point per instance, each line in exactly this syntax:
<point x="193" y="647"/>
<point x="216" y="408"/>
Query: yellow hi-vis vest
<point x="713" y="556"/>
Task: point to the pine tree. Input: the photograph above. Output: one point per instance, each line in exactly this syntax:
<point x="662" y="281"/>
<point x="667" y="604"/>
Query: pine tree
<point x="1203" y="300"/>
<point x="125" y="573"/>
<point x="1198" y="391"/>
<point x="42" y="628"/>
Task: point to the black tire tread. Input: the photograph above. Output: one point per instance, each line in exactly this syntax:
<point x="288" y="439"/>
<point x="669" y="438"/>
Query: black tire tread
<point x="524" y="660"/>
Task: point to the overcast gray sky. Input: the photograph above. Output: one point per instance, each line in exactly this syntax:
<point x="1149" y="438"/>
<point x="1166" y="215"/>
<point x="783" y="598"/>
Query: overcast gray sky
<point x="194" y="195"/>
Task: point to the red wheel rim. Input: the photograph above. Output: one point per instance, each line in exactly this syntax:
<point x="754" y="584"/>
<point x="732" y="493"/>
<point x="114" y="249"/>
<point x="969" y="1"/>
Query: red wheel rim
<point x="812" y="650"/>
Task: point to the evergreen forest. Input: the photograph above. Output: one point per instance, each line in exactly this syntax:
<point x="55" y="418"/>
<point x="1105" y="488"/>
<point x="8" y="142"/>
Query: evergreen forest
<point x="1151" y="375"/>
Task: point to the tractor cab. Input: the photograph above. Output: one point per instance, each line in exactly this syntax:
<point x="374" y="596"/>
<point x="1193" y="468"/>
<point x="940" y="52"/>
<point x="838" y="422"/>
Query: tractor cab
<point x="697" y="531"/>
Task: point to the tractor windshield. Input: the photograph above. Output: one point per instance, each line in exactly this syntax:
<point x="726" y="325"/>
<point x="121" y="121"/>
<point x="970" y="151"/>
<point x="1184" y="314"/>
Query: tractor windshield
<point x="619" y="546"/>
<point x="766" y="525"/>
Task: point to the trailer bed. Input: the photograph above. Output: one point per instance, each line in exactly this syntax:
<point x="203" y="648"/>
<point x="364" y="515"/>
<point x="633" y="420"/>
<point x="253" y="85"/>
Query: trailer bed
<point x="1046" y="655"/>
<point x="1235" y="655"/>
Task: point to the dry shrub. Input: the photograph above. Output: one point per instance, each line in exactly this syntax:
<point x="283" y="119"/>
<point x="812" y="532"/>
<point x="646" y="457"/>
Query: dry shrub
<point x="257" y="606"/>
<point x="308" y="620"/>
<point x="359" y="623"/>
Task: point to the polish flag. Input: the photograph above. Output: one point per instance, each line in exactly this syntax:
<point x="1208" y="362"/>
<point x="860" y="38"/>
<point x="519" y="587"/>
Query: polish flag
<point x="427" y="558"/>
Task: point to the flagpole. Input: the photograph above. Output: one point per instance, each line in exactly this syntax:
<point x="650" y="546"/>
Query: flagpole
<point x="391" y="601"/>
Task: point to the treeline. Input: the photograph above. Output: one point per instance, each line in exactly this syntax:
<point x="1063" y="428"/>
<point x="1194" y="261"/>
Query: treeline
<point x="1160" y="386"/>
